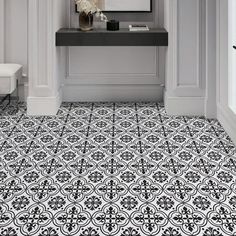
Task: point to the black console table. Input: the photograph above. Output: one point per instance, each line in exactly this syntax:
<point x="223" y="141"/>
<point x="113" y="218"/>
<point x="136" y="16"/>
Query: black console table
<point x="102" y="37"/>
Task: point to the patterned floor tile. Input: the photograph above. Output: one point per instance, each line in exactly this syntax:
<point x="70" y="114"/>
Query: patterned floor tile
<point x="107" y="169"/>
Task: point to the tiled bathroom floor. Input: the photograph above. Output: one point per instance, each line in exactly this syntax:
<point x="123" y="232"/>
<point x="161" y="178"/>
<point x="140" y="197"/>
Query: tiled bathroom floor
<point x="122" y="169"/>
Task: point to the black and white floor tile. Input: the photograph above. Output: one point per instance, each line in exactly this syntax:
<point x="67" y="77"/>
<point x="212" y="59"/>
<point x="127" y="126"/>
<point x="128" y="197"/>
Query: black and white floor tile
<point x="106" y="169"/>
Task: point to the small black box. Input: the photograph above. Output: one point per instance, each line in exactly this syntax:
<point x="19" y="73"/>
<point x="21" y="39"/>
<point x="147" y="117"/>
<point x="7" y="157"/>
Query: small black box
<point x="113" y="25"/>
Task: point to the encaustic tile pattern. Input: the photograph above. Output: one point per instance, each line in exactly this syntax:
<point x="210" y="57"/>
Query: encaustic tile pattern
<point x="106" y="169"/>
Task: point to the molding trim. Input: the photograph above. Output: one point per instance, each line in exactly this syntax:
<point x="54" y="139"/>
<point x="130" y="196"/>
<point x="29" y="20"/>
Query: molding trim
<point x="2" y="31"/>
<point x="161" y="51"/>
<point x="114" y="93"/>
<point x="222" y="53"/>
<point x="172" y="71"/>
<point x="46" y="61"/>
<point x="48" y="106"/>
<point x="184" y="106"/>
<point x="211" y="68"/>
<point x="228" y="120"/>
<point x="112" y="79"/>
<point x="40" y="47"/>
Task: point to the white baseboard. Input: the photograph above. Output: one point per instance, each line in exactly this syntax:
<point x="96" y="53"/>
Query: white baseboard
<point x="184" y="106"/>
<point x="112" y="93"/>
<point x="45" y="106"/>
<point x="228" y="120"/>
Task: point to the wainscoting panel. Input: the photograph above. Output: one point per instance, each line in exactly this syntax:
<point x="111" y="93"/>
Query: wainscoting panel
<point x="190" y="43"/>
<point x="112" y="65"/>
<point x="185" y="22"/>
<point x="40" y="66"/>
<point x="112" y="68"/>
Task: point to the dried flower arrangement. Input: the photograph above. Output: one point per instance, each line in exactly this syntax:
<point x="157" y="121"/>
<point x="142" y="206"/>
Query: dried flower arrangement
<point x="90" y="7"/>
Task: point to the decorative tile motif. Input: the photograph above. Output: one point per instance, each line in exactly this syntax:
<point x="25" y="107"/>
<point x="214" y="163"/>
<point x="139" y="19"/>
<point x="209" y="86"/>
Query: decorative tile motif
<point x="149" y="219"/>
<point x="115" y="169"/>
<point x="71" y="219"/>
<point x="77" y="189"/>
<point x="110" y="219"/>
<point x="32" y="219"/>
<point x="5" y="215"/>
<point x="43" y="189"/>
<point x="145" y="189"/>
<point x="111" y="189"/>
<point x="179" y="189"/>
<point x="10" y="188"/>
<point x="224" y="217"/>
<point x="188" y="219"/>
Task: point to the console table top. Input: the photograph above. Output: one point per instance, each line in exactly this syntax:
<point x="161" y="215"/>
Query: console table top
<point x="102" y="37"/>
<point x="102" y="30"/>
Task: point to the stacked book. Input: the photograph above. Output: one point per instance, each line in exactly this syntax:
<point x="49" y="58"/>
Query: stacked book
<point x="138" y="28"/>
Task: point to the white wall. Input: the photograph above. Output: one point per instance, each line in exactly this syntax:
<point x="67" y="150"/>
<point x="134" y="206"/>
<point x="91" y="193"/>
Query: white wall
<point x="116" y="73"/>
<point x="13" y="36"/>
<point x="225" y="113"/>
<point x="16" y="32"/>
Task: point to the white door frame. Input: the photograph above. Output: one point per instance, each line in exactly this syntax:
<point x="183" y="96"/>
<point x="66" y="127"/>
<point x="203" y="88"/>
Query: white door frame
<point x="224" y="113"/>
<point x="210" y="69"/>
<point x="232" y="55"/>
